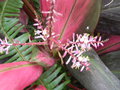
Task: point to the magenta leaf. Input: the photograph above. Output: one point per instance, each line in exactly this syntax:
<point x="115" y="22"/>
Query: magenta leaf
<point x="44" y="6"/>
<point x="76" y="15"/>
<point x="18" y="75"/>
<point x="40" y="87"/>
<point x="42" y="57"/>
<point x="112" y="44"/>
<point x="23" y="19"/>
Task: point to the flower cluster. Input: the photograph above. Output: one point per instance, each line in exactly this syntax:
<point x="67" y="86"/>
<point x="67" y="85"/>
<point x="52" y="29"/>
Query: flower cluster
<point x="45" y="32"/>
<point x="52" y="13"/>
<point x="4" y="46"/>
<point x="41" y="32"/>
<point x="77" y="47"/>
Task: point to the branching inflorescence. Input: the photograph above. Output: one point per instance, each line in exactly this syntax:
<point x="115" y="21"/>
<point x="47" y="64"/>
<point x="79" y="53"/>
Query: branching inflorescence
<point x="74" y="49"/>
<point x="46" y="32"/>
<point x="77" y="47"/>
<point x="4" y="46"/>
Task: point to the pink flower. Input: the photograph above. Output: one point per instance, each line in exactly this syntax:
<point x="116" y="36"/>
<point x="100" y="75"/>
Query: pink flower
<point x="79" y="45"/>
<point x="18" y="75"/>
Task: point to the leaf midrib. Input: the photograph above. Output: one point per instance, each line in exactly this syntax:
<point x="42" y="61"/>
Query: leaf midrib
<point x="100" y="51"/>
<point x="112" y="7"/>
<point x="65" y="25"/>
<point x="3" y="11"/>
<point x="18" y="66"/>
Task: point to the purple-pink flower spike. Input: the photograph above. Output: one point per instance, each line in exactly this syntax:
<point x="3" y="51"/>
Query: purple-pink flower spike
<point x="4" y="46"/>
<point x="76" y="48"/>
<point x="51" y="32"/>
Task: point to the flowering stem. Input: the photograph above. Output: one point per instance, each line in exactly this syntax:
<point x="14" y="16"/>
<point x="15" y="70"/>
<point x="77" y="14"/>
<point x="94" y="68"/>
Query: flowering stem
<point x="33" y="43"/>
<point x="51" y="14"/>
<point x="61" y="47"/>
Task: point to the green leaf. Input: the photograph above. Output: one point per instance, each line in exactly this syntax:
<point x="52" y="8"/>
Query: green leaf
<point x="10" y="7"/>
<point x="52" y="78"/>
<point x="112" y="10"/>
<point x="112" y="61"/>
<point x="10" y="27"/>
<point x="98" y="78"/>
<point x="19" y="53"/>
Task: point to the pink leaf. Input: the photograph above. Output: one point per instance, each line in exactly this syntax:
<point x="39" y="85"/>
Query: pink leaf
<point x="76" y="14"/>
<point x="44" y="6"/>
<point x="42" y="57"/>
<point x="23" y="19"/>
<point x="35" y="87"/>
<point x="73" y="15"/>
<point x="40" y="87"/>
<point x="18" y="75"/>
<point x="112" y="44"/>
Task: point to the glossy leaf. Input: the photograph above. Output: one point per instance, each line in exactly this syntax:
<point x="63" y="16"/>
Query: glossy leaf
<point x="108" y="27"/>
<point x="42" y="57"/>
<point x="112" y="61"/>
<point x="18" y="75"/>
<point x="111" y="10"/>
<point x="44" y="6"/>
<point x="77" y="15"/>
<point x="40" y="87"/>
<point x="112" y="44"/>
<point x="99" y="77"/>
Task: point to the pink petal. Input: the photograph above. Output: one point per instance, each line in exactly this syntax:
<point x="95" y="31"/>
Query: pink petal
<point x="18" y="75"/>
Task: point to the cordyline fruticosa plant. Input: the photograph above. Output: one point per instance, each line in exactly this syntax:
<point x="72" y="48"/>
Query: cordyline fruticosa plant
<point x="58" y="31"/>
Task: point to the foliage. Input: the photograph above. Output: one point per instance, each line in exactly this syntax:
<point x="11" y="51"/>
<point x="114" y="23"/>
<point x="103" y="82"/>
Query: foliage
<point x="53" y="79"/>
<point x="55" y="22"/>
<point x="10" y="27"/>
